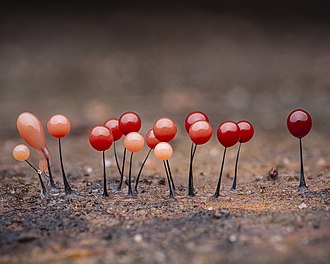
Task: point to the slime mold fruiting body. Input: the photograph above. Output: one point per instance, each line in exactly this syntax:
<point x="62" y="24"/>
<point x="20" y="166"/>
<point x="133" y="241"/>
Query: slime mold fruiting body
<point x="200" y="133"/>
<point x="31" y="130"/>
<point x="246" y="134"/>
<point x="21" y="153"/>
<point x="101" y="139"/>
<point x="133" y="142"/>
<point x="163" y="151"/>
<point x="113" y="125"/>
<point x="228" y="135"/>
<point x="128" y="122"/>
<point x="299" y="123"/>
<point x="165" y="130"/>
<point x="190" y="119"/>
<point x="59" y="126"/>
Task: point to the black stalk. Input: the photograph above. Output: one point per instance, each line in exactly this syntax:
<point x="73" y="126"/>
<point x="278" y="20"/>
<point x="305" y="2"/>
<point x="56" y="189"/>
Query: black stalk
<point x="51" y="180"/>
<point x="140" y="171"/>
<point x="43" y="188"/>
<point x="191" y="177"/>
<point x="217" y="191"/>
<point x="116" y="157"/>
<point x="130" y="192"/>
<point x="302" y="184"/>
<point x="122" y="172"/>
<point x="233" y="188"/>
<point x="67" y="188"/>
<point x="170" y="174"/>
<point x="34" y="168"/>
<point x="105" y="192"/>
<point x="193" y="153"/>
<point x="168" y="180"/>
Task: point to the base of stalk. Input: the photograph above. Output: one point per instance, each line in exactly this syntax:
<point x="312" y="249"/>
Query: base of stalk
<point x="191" y="194"/>
<point x="130" y="196"/>
<point x="172" y="197"/>
<point x="302" y="188"/>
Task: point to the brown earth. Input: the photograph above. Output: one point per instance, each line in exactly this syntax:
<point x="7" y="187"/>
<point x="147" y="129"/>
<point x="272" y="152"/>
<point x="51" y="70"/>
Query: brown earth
<point x="265" y="221"/>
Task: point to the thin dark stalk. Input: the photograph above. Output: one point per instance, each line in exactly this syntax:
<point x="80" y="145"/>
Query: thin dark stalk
<point x="34" y="168"/>
<point x="130" y="192"/>
<point x="116" y="157"/>
<point x="191" y="178"/>
<point x="122" y="172"/>
<point x="170" y="174"/>
<point x="140" y="171"/>
<point x="51" y="180"/>
<point x="233" y="188"/>
<point x="168" y="180"/>
<point x="43" y="188"/>
<point x="217" y="191"/>
<point x="302" y="184"/>
<point x="194" y="151"/>
<point x="67" y="188"/>
<point x="105" y="192"/>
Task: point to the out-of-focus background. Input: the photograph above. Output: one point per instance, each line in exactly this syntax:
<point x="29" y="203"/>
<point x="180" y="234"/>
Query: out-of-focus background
<point x="93" y="60"/>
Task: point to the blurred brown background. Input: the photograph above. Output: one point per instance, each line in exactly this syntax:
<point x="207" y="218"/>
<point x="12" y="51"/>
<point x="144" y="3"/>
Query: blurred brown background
<point x="92" y="60"/>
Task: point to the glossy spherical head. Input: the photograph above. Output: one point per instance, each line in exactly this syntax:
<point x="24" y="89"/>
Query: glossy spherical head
<point x="151" y="140"/>
<point x="193" y="117"/>
<point x="163" y="151"/>
<point x="58" y="126"/>
<point x="228" y="134"/>
<point x="246" y="131"/>
<point x="21" y="152"/>
<point x="113" y="125"/>
<point x="164" y="129"/>
<point x="100" y="138"/>
<point x="129" y="122"/>
<point x="134" y="142"/>
<point x="200" y="132"/>
<point x="31" y="130"/>
<point x="299" y="123"/>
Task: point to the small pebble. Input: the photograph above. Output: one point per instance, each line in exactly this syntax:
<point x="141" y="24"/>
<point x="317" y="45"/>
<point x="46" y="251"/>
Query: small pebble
<point x="138" y="238"/>
<point x="273" y="173"/>
<point x="88" y="170"/>
<point x="233" y="238"/>
<point x="27" y="237"/>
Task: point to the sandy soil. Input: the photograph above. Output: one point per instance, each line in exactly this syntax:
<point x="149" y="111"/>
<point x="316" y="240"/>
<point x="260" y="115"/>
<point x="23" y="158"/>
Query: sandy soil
<point x="267" y="220"/>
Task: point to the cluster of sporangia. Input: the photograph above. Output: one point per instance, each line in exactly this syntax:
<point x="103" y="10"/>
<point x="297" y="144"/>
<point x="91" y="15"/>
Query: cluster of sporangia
<point x="163" y="131"/>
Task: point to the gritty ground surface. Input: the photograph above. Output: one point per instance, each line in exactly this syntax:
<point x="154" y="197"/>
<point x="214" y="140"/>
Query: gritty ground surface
<point x="267" y="220"/>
